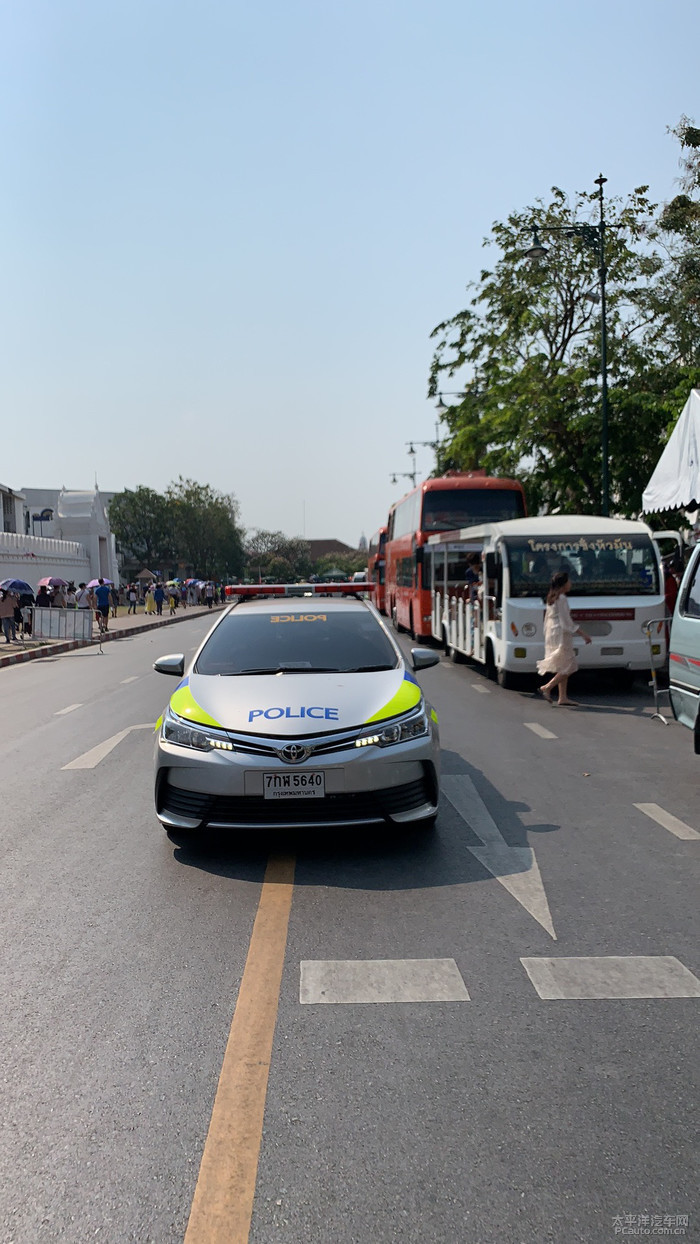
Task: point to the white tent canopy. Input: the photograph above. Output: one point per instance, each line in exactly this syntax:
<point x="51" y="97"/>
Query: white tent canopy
<point x="675" y="484"/>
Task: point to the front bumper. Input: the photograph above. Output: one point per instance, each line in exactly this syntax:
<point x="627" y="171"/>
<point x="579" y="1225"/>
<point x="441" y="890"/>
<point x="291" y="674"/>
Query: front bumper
<point x="395" y="785"/>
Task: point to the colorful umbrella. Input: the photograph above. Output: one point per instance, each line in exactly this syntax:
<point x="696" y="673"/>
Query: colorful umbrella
<point x="53" y="581"/>
<point x="18" y="586"/>
<point x="96" y="583"/>
<point x="173" y="582"/>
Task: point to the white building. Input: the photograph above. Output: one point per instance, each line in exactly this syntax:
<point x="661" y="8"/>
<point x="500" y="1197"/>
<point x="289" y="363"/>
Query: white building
<point x="56" y="532"/>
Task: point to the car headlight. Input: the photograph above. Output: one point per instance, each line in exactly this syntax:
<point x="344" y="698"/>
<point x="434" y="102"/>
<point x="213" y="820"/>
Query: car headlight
<point x="398" y="732"/>
<point x="201" y="738"/>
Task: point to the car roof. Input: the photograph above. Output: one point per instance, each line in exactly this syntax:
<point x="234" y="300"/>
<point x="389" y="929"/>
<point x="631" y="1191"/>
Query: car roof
<point x="301" y="604"/>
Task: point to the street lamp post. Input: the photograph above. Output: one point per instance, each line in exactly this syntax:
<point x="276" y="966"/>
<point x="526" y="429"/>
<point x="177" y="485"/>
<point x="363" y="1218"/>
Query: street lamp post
<point x="397" y="475"/>
<point x="594" y="237"/>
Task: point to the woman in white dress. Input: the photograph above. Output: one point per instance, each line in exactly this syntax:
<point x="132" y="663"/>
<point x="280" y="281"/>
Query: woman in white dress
<point x="559" y="630"/>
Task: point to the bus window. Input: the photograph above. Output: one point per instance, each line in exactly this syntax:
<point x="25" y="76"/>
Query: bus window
<point x="445" y="510"/>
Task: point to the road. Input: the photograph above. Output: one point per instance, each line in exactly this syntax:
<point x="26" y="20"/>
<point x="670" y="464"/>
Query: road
<point x="427" y="1073"/>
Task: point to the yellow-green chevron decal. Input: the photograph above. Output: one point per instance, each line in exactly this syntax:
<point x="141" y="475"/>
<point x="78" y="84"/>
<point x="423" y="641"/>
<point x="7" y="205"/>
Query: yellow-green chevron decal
<point x="434" y="715"/>
<point x="159" y="723"/>
<point x="406" y="698"/>
<point x="184" y="704"/>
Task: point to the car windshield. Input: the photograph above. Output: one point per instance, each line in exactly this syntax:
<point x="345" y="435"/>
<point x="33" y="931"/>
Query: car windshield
<point x="607" y="565"/>
<point x="295" y="642"/>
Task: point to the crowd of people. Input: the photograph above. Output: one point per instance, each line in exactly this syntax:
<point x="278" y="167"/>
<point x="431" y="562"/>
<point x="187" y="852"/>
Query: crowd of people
<point x="102" y="598"/>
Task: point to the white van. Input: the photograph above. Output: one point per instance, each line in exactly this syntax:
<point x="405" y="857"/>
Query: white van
<point x="617" y="590"/>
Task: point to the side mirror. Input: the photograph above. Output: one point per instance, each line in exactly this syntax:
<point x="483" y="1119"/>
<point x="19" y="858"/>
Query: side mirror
<point x="424" y="658"/>
<point x="172" y="664"/>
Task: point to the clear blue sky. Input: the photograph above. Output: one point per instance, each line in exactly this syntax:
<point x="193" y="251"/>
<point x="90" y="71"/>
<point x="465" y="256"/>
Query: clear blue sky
<point x="227" y="230"/>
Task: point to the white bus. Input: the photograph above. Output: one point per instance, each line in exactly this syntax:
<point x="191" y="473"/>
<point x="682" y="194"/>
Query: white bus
<point x="617" y="587"/>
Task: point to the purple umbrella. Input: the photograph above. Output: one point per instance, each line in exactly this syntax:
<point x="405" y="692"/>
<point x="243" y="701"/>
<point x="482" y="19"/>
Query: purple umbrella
<point x="53" y="582"/>
<point x="96" y="583"/>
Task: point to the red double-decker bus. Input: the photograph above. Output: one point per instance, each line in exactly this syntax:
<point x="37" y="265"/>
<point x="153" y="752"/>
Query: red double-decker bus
<point x="448" y="503"/>
<point x="376" y="565"/>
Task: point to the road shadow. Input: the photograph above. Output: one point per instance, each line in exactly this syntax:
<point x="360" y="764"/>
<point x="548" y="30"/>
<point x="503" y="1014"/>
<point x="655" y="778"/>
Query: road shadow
<point x="372" y="857"/>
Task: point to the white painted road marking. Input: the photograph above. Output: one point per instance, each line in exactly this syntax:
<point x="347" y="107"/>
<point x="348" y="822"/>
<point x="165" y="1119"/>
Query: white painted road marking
<point x="476" y="686"/>
<point x="89" y="760"/>
<point x="515" y="867"/>
<point x="381" y="980"/>
<point x="134" y="678"/>
<point x="536" y="728"/>
<point x="612" y="976"/>
<point x="62" y="711"/>
<point x="671" y="823"/>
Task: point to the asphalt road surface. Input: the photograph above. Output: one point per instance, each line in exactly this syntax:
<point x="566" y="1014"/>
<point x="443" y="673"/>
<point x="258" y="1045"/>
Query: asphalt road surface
<point x="483" y="1036"/>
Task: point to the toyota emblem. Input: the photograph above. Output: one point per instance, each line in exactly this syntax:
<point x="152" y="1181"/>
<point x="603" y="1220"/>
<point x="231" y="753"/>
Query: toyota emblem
<point x="293" y="753"/>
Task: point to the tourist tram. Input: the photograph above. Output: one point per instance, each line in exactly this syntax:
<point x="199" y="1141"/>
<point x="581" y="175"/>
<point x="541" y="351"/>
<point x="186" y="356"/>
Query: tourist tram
<point x="617" y="590"/>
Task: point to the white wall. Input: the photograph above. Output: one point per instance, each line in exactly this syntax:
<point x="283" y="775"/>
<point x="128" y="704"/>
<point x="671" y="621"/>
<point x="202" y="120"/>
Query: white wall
<point x="32" y="558"/>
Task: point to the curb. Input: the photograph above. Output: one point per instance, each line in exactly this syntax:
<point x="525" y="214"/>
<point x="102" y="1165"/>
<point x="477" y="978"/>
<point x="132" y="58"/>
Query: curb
<point x="52" y="650"/>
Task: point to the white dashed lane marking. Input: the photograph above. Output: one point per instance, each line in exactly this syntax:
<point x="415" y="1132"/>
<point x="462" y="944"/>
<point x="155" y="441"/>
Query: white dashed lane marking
<point x="671" y="823"/>
<point x="62" y="711"/>
<point x="134" y="678"/>
<point x="542" y="731"/>
<point x="476" y="686"/>
<point x="381" y="980"/>
<point x="612" y="976"/>
<point x="90" y="760"/>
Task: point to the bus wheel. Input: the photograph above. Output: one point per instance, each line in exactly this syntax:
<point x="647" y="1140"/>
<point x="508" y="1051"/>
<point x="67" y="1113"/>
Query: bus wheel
<point x="506" y="679"/>
<point x="411" y="628"/>
<point x="453" y="654"/>
<point x="490" y="663"/>
<point x="395" y="621"/>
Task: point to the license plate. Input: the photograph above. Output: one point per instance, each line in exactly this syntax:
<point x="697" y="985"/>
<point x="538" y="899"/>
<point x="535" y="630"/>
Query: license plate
<point x="304" y="785"/>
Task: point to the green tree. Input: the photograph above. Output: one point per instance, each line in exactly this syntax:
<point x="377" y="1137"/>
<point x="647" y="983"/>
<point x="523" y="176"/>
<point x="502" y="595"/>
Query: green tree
<point x="530" y="341"/>
<point x="205" y="523"/>
<point x="271" y="553"/>
<point x="349" y="563"/>
<point x="142" y="525"/>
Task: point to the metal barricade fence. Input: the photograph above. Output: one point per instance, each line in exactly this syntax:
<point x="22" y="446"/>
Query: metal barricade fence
<point x="61" y="623"/>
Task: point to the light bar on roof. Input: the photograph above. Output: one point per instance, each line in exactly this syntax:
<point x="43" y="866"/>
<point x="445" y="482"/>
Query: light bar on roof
<point x="242" y="590"/>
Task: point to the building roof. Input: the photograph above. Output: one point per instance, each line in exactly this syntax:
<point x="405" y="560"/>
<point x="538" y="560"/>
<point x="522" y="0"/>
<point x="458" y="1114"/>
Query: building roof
<point x="327" y="548"/>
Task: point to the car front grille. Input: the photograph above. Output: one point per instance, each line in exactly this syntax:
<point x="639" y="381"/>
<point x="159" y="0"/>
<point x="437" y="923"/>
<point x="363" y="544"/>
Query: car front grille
<point x="317" y="746"/>
<point x="243" y="810"/>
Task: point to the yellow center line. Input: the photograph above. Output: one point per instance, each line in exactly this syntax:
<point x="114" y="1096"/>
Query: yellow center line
<point x="222" y="1206"/>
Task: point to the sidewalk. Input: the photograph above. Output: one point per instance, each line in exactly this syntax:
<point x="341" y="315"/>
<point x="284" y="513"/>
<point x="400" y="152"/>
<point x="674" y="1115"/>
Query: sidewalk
<point x="119" y="628"/>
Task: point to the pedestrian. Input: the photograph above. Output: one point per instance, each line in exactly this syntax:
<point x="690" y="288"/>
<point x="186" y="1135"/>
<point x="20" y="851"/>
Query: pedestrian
<point x="58" y="600"/>
<point x="209" y="594"/>
<point x="159" y="597"/>
<point x="102" y="596"/>
<point x="172" y="600"/>
<point x="7" y="617"/>
<point x="132" y="599"/>
<point x="82" y="596"/>
<point x="559" y="630"/>
<point x="114" y="598"/>
<point x="472" y="578"/>
<point x="43" y="600"/>
<point x="150" y="603"/>
<point x="70" y="596"/>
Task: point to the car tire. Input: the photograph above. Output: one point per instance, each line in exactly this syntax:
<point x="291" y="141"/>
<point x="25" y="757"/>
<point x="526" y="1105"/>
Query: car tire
<point x="490" y="663"/>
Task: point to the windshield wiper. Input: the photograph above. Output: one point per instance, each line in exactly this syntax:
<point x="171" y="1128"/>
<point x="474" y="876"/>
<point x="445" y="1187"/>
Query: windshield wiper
<point x="285" y="669"/>
<point x="368" y="669"/>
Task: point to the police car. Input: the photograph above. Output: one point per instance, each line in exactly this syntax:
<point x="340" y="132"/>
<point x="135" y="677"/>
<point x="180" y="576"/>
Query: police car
<point x="300" y="710"/>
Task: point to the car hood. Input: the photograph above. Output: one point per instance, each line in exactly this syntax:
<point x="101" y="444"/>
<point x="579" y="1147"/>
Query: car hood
<point x="294" y="704"/>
